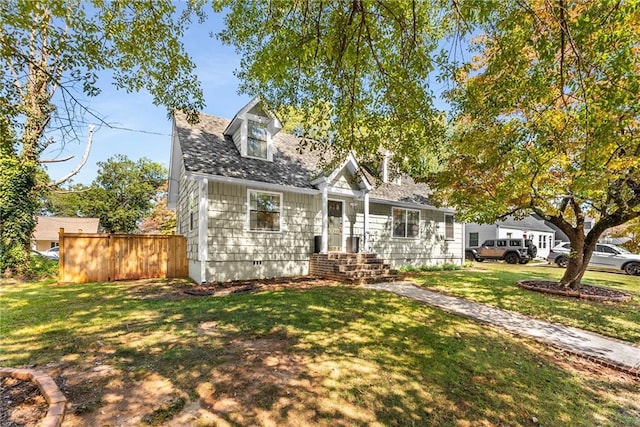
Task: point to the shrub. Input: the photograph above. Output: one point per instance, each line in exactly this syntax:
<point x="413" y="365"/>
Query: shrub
<point x="429" y="268"/>
<point x="41" y="268"/>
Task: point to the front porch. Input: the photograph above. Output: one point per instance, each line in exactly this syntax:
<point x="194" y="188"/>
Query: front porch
<point x="356" y="268"/>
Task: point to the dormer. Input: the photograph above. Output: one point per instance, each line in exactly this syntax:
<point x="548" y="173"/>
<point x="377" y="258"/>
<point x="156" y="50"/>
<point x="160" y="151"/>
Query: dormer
<point x="252" y="131"/>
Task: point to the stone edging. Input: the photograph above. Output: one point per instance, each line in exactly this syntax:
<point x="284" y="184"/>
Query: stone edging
<point x="573" y="294"/>
<point x="56" y="400"/>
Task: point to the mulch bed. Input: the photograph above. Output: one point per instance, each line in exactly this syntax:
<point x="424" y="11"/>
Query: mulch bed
<point x="240" y="286"/>
<point x="21" y="403"/>
<point x="588" y="292"/>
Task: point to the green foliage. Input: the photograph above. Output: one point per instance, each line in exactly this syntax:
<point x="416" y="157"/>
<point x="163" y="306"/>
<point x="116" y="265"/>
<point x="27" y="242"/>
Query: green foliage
<point x="121" y="195"/>
<point x="41" y="268"/>
<point x="160" y="219"/>
<point x="51" y="54"/>
<point x="17" y="205"/>
<point x="354" y="73"/>
<point x="385" y="359"/>
<point x="495" y="284"/>
<point x="429" y="268"/>
<point x="547" y="119"/>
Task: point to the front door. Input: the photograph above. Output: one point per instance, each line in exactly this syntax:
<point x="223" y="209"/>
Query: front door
<point x="335" y="209"/>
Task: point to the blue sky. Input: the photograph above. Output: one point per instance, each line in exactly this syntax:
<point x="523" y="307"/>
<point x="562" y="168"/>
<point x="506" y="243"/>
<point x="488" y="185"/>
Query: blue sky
<point x="215" y="65"/>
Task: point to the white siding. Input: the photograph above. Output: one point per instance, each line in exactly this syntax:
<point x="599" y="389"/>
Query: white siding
<point x="485" y="232"/>
<point x="236" y="253"/>
<point x="430" y="248"/>
<point x="188" y="187"/>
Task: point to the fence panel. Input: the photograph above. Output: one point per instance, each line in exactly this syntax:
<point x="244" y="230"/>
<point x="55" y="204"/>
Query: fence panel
<point x="107" y="257"/>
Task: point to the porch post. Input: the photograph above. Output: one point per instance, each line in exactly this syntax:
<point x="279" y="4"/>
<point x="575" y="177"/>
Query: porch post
<point x="365" y="233"/>
<point x="325" y="220"/>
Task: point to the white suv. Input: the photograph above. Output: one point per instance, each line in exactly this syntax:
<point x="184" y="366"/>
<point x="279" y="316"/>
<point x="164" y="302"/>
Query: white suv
<point x="605" y="256"/>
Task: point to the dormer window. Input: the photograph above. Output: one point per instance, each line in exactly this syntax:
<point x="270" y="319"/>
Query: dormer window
<point x="256" y="139"/>
<point x="252" y="131"/>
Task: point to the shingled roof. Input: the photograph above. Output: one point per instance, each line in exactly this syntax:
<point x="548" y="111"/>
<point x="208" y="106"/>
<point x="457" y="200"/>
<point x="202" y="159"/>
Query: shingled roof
<point x="527" y="223"/>
<point x="48" y="227"/>
<point x="206" y="150"/>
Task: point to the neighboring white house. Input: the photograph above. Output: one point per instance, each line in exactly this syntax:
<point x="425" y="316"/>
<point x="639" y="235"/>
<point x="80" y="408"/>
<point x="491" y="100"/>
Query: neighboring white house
<point x="46" y="233"/>
<point x="528" y="228"/>
<point x="252" y="204"/>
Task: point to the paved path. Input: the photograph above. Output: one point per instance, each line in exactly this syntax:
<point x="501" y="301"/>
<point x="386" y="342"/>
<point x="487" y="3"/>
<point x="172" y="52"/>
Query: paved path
<point x="612" y="352"/>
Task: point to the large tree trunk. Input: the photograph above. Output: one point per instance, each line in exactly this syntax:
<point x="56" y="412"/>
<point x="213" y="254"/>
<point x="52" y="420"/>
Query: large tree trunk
<point x="582" y="248"/>
<point x="22" y="171"/>
<point x="573" y="274"/>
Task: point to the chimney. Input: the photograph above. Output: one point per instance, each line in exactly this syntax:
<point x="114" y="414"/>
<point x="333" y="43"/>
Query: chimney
<point x="385" y="167"/>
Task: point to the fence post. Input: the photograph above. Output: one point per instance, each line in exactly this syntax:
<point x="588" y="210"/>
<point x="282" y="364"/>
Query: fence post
<point x="110" y="256"/>
<point x="61" y="255"/>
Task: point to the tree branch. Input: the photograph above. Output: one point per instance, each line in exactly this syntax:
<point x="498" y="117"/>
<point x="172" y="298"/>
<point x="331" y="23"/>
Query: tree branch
<point x="84" y="159"/>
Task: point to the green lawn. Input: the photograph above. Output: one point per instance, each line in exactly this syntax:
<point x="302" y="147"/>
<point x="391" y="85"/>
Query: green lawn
<point x="495" y="284"/>
<point x="334" y="356"/>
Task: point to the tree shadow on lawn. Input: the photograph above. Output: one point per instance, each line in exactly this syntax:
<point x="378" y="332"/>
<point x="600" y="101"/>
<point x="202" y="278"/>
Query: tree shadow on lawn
<point x="323" y="356"/>
<point x="498" y="287"/>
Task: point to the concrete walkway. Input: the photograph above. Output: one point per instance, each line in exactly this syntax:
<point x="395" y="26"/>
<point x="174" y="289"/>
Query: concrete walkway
<point x="609" y="351"/>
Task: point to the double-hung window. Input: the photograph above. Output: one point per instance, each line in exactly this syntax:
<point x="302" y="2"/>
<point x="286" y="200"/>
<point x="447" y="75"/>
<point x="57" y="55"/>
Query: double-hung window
<point x="256" y="139"/>
<point x="406" y="223"/>
<point x="448" y="227"/>
<point x="265" y="211"/>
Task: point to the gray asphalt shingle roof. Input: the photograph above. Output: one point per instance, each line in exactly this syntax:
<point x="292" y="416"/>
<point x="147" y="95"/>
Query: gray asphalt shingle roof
<point x="408" y="191"/>
<point x="206" y="150"/>
<point x="527" y="223"/>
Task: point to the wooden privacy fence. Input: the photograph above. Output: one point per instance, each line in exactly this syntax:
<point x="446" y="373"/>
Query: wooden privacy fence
<point x="108" y="257"/>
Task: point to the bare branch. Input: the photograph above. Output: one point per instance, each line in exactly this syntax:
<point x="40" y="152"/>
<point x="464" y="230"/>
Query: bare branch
<point x="84" y="159"/>
<point x="64" y="159"/>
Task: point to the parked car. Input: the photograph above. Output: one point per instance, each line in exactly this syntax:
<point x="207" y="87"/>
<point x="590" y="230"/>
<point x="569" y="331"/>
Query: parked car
<point x="53" y="253"/>
<point x="605" y="256"/>
<point x="513" y="251"/>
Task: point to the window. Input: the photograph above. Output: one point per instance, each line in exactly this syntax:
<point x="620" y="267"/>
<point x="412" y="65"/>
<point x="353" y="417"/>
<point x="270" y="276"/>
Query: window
<point x="448" y="227"/>
<point x="265" y="211"/>
<point x="501" y="243"/>
<point x="606" y="249"/>
<point x="489" y="243"/>
<point x="406" y="223"/>
<point x="256" y="139"/>
<point x="509" y="235"/>
<point x="193" y="203"/>
<point x="473" y="239"/>
<point x="515" y="243"/>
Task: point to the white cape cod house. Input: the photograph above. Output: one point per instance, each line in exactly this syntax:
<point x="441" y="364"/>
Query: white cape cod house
<point x="253" y="205"/>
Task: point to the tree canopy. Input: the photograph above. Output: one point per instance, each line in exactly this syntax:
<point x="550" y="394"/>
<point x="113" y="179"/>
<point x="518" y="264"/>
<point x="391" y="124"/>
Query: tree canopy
<point x="547" y="120"/>
<point x="359" y="68"/>
<point x="122" y="195"/>
<point x="52" y="55"/>
<point x="545" y="114"/>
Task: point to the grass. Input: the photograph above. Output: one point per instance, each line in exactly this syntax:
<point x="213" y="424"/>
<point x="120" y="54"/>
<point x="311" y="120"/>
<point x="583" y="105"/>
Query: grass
<point x="495" y="284"/>
<point x="323" y="356"/>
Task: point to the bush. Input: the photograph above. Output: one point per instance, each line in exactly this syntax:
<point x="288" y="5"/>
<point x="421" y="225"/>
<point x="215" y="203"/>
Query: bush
<point x="41" y="268"/>
<point x="429" y="268"/>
